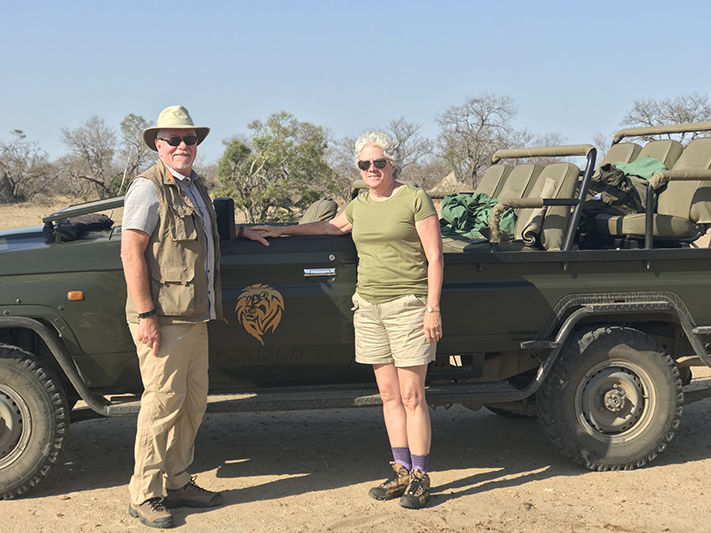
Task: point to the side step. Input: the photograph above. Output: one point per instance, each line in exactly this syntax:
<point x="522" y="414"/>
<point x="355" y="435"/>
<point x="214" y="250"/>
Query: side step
<point x="321" y="398"/>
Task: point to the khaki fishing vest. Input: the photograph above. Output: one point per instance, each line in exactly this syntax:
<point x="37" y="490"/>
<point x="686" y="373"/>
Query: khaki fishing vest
<point x="175" y="255"/>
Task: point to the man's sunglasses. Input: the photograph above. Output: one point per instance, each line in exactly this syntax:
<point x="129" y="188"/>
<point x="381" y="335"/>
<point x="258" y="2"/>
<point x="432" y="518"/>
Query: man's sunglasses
<point x="379" y="163"/>
<point x="175" y="140"/>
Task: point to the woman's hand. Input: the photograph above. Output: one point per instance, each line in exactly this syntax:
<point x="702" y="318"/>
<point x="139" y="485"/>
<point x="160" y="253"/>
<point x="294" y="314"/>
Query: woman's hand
<point x="431" y="239"/>
<point x="272" y="231"/>
<point x="433" y="326"/>
<point x="255" y="234"/>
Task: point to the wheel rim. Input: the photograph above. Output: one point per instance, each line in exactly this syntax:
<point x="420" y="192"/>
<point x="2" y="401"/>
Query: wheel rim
<point x="15" y="425"/>
<point x="615" y="401"/>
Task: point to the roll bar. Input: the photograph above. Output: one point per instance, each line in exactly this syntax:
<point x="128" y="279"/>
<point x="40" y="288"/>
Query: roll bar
<point x="543" y="151"/>
<point x="661" y="130"/>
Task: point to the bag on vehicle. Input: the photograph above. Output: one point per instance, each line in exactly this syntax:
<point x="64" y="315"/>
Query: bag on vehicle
<point x="70" y="229"/>
<point x="611" y="192"/>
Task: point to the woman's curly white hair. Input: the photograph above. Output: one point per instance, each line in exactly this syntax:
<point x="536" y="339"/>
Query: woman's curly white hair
<point x="389" y="146"/>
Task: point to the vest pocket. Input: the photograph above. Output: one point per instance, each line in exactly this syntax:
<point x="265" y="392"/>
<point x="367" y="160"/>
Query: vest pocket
<point x="174" y="291"/>
<point x="183" y="228"/>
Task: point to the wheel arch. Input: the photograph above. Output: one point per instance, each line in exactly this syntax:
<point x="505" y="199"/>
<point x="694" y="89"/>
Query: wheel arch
<point x="576" y="311"/>
<point x="36" y="330"/>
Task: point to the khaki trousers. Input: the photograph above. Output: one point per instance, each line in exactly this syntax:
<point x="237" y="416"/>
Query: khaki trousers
<point x="172" y="406"/>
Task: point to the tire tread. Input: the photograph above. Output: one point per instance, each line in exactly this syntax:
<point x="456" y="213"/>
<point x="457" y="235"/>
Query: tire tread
<point x="558" y="378"/>
<point x="29" y="363"/>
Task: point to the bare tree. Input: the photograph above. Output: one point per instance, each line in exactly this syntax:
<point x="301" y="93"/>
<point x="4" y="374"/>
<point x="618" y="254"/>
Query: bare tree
<point x="526" y="139"/>
<point x="134" y="153"/>
<point x="24" y="169"/>
<point x="428" y="172"/>
<point x="208" y="173"/>
<point x="602" y="144"/>
<point x="407" y="134"/>
<point x="71" y="181"/>
<point x="471" y="133"/>
<point x="416" y="149"/>
<point x="91" y="146"/>
<point x="341" y="159"/>
<point x="679" y="110"/>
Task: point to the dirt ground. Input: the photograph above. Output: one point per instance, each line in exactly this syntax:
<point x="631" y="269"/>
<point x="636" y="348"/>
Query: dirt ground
<point x="310" y="471"/>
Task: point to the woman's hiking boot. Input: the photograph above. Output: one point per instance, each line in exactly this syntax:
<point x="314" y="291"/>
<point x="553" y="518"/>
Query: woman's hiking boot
<point x="394" y="486"/>
<point x="418" y="491"/>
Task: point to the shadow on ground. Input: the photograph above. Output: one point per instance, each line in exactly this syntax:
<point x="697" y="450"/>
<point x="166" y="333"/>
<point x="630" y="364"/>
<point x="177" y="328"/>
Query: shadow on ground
<point x="291" y="453"/>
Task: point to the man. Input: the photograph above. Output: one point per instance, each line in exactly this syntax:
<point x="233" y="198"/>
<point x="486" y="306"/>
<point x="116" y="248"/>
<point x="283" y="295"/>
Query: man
<point x="170" y="253"/>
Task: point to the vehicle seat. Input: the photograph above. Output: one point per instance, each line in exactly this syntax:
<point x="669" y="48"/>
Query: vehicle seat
<point x="666" y="150"/>
<point x="689" y="199"/>
<point x="493" y="178"/>
<point x="320" y="210"/>
<point x="557" y="180"/>
<point x="680" y="204"/>
<point x="625" y="152"/>
<point x="564" y="176"/>
<point x="518" y="182"/>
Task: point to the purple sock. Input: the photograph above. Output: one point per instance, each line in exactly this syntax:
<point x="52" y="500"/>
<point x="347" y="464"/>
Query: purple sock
<point x="420" y="461"/>
<point x="402" y="457"/>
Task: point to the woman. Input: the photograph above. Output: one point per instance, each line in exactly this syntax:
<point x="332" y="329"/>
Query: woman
<point x="396" y="305"/>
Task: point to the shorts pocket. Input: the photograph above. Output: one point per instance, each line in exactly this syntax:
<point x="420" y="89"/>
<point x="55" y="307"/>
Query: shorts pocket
<point x="419" y="300"/>
<point x="356" y="303"/>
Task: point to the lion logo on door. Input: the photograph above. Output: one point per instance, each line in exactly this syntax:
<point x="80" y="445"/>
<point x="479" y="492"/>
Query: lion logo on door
<point x="259" y="309"/>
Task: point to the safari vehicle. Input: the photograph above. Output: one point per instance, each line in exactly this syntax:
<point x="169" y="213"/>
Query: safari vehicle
<point x="595" y="332"/>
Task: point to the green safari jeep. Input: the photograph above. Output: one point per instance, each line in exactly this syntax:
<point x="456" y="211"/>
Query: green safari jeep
<point x="593" y="327"/>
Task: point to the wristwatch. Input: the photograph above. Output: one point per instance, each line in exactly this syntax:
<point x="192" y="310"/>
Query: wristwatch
<point x="433" y="309"/>
<point x="147" y="314"/>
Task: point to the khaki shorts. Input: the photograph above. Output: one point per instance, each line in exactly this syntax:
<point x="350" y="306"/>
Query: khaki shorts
<point x="391" y="332"/>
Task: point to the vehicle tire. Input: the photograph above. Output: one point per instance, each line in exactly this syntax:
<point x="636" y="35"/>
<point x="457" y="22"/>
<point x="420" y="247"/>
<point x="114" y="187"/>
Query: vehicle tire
<point x="613" y="399"/>
<point x="34" y="421"/>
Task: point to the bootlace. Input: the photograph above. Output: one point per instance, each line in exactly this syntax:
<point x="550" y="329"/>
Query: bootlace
<point x="156" y="504"/>
<point x="415" y="485"/>
<point x="394" y="476"/>
<point x="194" y="486"/>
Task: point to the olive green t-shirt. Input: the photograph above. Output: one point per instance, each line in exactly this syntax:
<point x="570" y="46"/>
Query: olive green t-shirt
<point x="392" y="262"/>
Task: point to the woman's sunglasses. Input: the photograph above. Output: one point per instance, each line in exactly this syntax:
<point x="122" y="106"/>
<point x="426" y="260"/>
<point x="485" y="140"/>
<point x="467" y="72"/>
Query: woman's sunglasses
<point x="175" y="140"/>
<point x="379" y="163"/>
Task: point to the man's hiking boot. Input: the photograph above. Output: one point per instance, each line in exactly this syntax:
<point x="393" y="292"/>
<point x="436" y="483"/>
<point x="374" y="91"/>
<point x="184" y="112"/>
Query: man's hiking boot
<point x="394" y="486"/>
<point x="418" y="491"/>
<point x="152" y="513"/>
<point x="192" y="496"/>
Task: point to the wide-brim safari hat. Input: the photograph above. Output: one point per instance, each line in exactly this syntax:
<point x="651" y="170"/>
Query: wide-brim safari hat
<point x="173" y="117"/>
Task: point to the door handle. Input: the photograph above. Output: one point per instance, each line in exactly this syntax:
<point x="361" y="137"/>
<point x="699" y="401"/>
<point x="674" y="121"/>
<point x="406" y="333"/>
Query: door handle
<point x="319" y="272"/>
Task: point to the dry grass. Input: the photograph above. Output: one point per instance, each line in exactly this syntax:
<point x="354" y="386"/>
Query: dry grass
<point x="30" y="213"/>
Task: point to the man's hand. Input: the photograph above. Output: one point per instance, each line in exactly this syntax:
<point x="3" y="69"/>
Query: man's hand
<point x="149" y="333"/>
<point x="133" y="246"/>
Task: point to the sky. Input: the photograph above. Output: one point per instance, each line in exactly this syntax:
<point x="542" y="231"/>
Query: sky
<point x="571" y="68"/>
